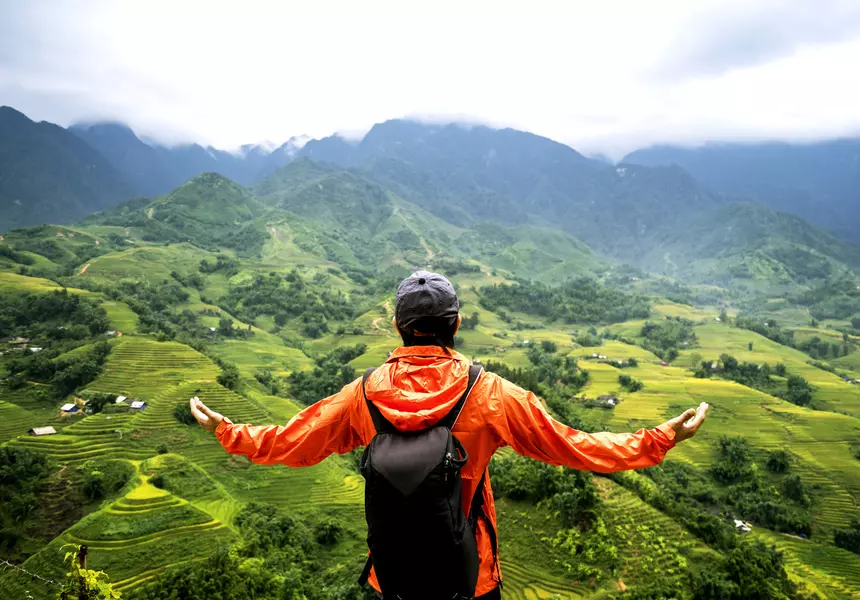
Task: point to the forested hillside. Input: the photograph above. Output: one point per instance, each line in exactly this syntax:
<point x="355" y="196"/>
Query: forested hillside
<point x="261" y="300"/>
<point x="619" y="294"/>
<point x="819" y="181"/>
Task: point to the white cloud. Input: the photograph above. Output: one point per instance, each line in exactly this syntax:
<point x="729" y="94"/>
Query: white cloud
<point x="602" y="76"/>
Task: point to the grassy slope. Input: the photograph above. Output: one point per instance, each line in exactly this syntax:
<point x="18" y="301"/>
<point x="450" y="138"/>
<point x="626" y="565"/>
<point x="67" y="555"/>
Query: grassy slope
<point x="167" y="373"/>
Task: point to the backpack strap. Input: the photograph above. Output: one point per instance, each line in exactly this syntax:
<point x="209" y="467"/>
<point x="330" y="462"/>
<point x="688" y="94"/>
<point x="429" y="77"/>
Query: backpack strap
<point x="450" y="419"/>
<point x="382" y="424"/>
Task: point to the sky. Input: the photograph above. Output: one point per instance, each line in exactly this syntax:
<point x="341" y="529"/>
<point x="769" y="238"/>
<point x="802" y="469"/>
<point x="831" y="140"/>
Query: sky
<point x="604" y="76"/>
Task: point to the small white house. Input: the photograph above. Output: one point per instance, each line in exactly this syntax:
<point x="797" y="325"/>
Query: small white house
<point x="120" y="399"/>
<point x="138" y="404"/>
<point x="69" y="408"/>
<point x="742" y="526"/>
<point x="43" y="431"/>
<point x="34" y="349"/>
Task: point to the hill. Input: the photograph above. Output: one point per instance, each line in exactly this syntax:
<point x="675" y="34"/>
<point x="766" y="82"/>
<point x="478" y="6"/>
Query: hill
<point x="49" y="174"/>
<point x="154" y="169"/>
<point x="464" y="175"/>
<point x="744" y="243"/>
<point x="817" y="181"/>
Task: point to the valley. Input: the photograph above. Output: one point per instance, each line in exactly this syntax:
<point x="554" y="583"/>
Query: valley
<point x="622" y="296"/>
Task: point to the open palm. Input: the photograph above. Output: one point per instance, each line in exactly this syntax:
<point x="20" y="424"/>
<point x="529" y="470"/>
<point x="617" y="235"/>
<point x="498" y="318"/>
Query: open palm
<point x="208" y="418"/>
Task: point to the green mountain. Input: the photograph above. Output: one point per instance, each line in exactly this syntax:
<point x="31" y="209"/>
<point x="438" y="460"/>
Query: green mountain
<point x="818" y="181"/>
<point x="260" y="300"/>
<point x="49" y="174"/>
<point x="751" y="244"/>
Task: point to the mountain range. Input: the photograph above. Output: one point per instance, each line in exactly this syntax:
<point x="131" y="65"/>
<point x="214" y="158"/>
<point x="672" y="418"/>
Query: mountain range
<point x="413" y="187"/>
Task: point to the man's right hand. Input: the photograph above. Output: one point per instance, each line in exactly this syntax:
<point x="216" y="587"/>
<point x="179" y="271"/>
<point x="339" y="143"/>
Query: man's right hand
<point x="687" y="424"/>
<point x="208" y="419"/>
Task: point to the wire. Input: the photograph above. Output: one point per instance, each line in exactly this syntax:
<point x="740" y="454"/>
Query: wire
<point x="6" y="564"/>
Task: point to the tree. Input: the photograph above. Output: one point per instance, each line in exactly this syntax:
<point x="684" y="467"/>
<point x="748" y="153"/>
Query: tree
<point x="225" y="326"/>
<point x="229" y="376"/>
<point x="778" y="461"/>
<point x="799" y="391"/>
<point x="849" y="538"/>
<point x="182" y="413"/>
<point x="82" y="583"/>
<point x="855" y="323"/>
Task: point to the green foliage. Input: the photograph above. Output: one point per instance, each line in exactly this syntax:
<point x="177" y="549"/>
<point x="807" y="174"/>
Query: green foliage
<point x="82" y="583"/>
<point x="767" y="328"/>
<point x="223" y="264"/>
<point x="629" y="383"/>
<point x="734" y="461"/>
<point x="278" y="557"/>
<point x="285" y="297"/>
<point x="834" y="299"/>
<point x="229" y="375"/>
<point x="778" y="461"/>
<point x="749" y="571"/>
<point x="65" y="373"/>
<point x="101" y="478"/>
<point x="46" y="318"/>
<point x="182" y="413"/>
<point x="331" y="373"/>
<point x="849" y="538"/>
<point x="799" y="391"/>
<point x="571" y="494"/>
<point x="469" y="323"/>
<point x="579" y="301"/>
<point x="666" y="338"/>
<point x="22" y="473"/>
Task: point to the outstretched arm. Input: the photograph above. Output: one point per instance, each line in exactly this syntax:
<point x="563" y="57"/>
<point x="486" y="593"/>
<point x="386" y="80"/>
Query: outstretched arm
<point x="310" y="436"/>
<point x="530" y="431"/>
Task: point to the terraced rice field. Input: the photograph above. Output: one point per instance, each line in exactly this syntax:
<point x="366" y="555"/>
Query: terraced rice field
<point x="141" y="368"/>
<point x="133" y="539"/>
<point x="830" y="571"/>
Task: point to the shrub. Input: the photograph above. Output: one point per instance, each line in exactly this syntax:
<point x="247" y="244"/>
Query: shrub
<point x="629" y="383"/>
<point x="162" y="448"/>
<point x="778" y="461"/>
<point x="182" y="413"/>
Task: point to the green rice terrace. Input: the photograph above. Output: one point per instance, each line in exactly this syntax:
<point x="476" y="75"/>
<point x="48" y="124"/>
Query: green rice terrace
<point x="105" y="346"/>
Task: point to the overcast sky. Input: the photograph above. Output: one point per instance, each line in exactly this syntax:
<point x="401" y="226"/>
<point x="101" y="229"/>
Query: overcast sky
<point x="603" y="75"/>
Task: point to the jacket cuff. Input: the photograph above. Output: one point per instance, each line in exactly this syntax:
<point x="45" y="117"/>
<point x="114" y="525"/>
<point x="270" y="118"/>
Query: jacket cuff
<point x="667" y="431"/>
<point x="222" y="428"/>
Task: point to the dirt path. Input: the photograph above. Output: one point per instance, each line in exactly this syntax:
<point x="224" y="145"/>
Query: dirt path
<point x="427" y="249"/>
<point x="84" y="268"/>
<point x="388" y="312"/>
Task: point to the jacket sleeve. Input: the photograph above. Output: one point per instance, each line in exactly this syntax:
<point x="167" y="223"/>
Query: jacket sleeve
<point x="525" y="426"/>
<point x="331" y="425"/>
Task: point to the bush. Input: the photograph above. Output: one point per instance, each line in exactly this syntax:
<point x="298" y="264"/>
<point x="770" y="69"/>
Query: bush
<point x="778" y="461"/>
<point x="630" y="384"/>
<point x="182" y="413"/>
<point x="328" y="531"/>
<point x="229" y="376"/>
<point x="799" y="391"/>
<point x="849" y="538"/>
<point x="162" y="448"/>
<point x="734" y="462"/>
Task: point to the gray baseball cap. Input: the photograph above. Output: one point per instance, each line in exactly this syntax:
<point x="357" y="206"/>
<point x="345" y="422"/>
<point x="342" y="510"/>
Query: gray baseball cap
<point x="424" y="294"/>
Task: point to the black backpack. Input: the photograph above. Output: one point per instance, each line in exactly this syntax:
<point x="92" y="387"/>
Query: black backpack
<point x="422" y="546"/>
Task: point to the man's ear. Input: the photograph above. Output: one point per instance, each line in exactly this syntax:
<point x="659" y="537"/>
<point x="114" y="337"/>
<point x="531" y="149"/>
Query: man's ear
<point x="459" y="320"/>
<point x="396" y="328"/>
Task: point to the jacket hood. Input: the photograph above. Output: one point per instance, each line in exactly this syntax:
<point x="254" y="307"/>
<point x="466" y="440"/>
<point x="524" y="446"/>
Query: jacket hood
<point x="418" y="385"/>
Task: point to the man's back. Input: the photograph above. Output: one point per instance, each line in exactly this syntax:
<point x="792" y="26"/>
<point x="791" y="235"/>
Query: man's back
<point x="414" y="389"/>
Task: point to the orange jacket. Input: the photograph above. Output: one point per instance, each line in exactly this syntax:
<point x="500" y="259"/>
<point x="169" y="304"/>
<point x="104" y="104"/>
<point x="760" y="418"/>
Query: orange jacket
<point x="415" y="388"/>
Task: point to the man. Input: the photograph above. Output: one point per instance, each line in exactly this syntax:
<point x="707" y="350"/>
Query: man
<point x="417" y="386"/>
